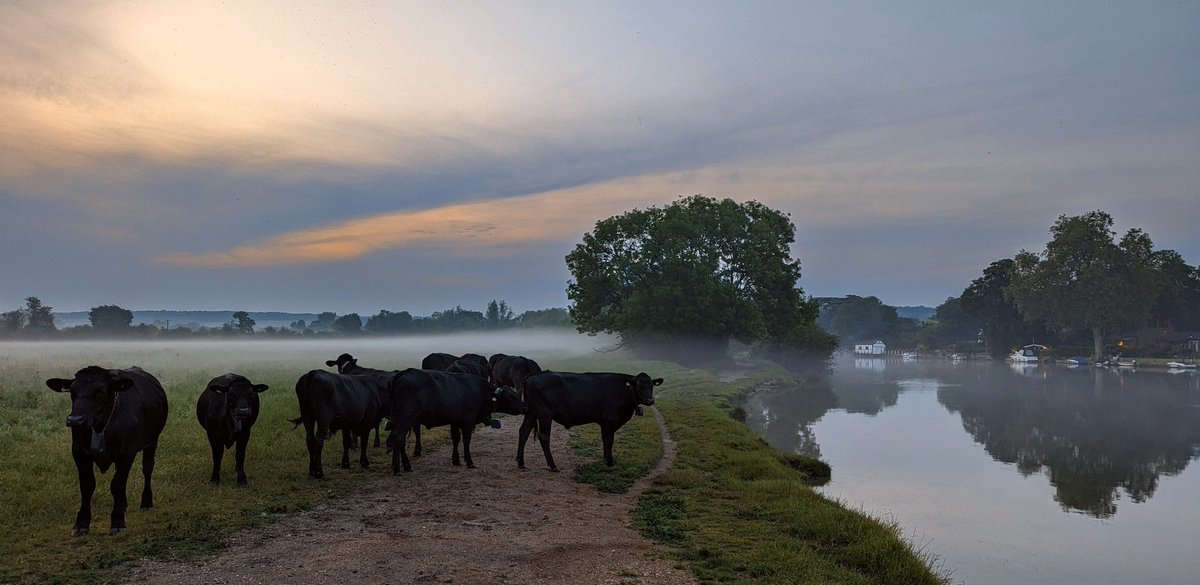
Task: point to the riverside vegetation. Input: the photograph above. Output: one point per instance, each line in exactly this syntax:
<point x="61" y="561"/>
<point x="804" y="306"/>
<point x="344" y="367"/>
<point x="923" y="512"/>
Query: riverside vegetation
<point x="732" y="508"/>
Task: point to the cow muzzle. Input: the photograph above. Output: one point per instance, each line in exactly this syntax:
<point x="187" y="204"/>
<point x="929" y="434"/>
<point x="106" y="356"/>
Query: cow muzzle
<point x="74" y="421"/>
<point x="648" y="402"/>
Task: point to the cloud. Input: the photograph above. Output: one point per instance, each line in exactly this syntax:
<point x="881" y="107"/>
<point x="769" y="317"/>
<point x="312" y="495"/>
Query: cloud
<point x="477" y="229"/>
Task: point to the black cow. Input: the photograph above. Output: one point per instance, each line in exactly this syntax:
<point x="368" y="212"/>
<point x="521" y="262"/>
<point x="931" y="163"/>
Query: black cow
<point x="114" y="414"/>
<point x="496" y="357"/>
<point x="474" y="357"/>
<point x="227" y="409"/>
<point x="332" y="402"/>
<point x="438" y="361"/>
<point x="608" y="400"/>
<point x="346" y="364"/>
<point x="434" y="399"/>
<point x="466" y="366"/>
<point x="513" y="369"/>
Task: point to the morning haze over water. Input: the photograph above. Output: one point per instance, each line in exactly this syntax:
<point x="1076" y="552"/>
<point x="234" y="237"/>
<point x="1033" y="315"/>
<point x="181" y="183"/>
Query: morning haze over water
<point x="1010" y="474"/>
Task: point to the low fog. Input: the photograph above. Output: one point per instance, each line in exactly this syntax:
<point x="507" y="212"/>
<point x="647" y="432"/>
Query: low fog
<point x="400" y="352"/>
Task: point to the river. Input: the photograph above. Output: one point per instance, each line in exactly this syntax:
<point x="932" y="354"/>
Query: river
<point x="1038" y="474"/>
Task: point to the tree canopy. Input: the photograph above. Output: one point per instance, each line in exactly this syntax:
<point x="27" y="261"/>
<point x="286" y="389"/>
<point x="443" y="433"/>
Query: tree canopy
<point x="1085" y="279"/>
<point x="110" y="318"/>
<point x="699" y="269"/>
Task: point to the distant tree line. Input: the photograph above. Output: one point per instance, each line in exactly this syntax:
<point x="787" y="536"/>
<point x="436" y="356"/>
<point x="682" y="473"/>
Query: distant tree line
<point x="36" y="321"/>
<point x="1083" y="293"/>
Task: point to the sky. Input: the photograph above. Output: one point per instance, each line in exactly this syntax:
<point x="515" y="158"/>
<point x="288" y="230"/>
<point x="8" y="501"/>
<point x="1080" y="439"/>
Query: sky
<point x="358" y="156"/>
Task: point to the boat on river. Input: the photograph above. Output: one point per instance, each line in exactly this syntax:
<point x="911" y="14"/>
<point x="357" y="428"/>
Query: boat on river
<point x="1180" y="366"/>
<point x="1027" y="354"/>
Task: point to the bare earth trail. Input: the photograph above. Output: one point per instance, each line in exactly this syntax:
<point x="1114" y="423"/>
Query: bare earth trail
<point x="444" y="524"/>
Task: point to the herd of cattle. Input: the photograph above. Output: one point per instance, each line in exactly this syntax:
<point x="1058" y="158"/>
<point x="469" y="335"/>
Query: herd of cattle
<point x="117" y="413"/>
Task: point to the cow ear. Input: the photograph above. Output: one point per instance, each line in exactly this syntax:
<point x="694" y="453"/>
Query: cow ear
<point x="59" y="384"/>
<point x="260" y="387"/>
<point x="122" y="384"/>
<point x="658" y="381"/>
<point x="330" y="363"/>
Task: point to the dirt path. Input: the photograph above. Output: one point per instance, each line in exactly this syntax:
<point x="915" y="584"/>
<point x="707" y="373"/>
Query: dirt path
<point x="444" y="524"/>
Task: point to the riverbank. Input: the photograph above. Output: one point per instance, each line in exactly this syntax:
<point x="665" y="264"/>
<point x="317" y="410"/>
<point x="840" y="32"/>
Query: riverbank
<point x="736" y="509"/>
<point x="731" y="507"/>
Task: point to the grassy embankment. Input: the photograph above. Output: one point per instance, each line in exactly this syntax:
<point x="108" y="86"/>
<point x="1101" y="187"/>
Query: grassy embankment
<point x="737" y="510"/>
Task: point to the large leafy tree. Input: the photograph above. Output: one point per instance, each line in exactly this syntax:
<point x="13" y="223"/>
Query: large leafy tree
<point x="110" y="318"/>
<point x="862" y="319"/>
<point x="1003" y="326"/>
<point x="701" y="270"/>
<point x="1086" y="279"/>
<point x="39" y="318"/>
<point x="242" y="323"/>
<point x="1177" y="304"/>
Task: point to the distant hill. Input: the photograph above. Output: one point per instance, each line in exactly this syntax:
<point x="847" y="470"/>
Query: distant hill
<point x="919" y="312"/>
<point x="191" y="319"/>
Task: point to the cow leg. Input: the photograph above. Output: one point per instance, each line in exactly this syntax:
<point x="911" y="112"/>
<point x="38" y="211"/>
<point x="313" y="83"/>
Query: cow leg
<point x="466" y="439"/>
<point x="607" y="434"/>
<point x="416" y="428"/>
<point x="315" y="446"/>
<point x="87" y="487"/>
<point x="527" y="425"/>
<point x="148" y="457"/>
<point x="347" y="443"/>
<point x="118" y="487"/>
<point x="218" y="454"/>
<point x="240" y="457"/>
<point x="455" y="437"/>
<point x="364" y="440"/>
<point x="544" y="439"/>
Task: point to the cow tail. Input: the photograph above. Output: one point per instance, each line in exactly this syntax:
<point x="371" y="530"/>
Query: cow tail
<point x="301" y="395"/>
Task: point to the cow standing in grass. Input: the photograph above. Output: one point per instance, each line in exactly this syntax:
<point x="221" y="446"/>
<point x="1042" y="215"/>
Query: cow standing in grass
<point x="336" y="402"/>
<point x="114" y="415"/>
<point x="228" y="409"/>
<point x="435" y="399"/>
<point x="346" y="364"/>
<point x="511" y="370"/>
<point x="608" y="400"/>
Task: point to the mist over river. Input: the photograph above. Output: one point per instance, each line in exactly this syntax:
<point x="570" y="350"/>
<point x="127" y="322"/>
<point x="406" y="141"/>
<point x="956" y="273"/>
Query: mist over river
<point x="1010" y="474"/>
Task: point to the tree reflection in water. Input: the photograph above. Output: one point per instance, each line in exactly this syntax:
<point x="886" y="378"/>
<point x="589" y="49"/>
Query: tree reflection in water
<point x="1092" y="431"/>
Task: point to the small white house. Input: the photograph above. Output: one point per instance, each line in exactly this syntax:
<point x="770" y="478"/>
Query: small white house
<point x="877" y="348"/>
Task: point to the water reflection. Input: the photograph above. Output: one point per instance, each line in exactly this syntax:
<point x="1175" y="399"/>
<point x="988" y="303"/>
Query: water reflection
<point x="1092" y="432"/>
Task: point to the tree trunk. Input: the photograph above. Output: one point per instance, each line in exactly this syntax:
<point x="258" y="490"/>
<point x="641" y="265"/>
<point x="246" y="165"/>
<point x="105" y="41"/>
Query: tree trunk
<point x="1097" y="343"/>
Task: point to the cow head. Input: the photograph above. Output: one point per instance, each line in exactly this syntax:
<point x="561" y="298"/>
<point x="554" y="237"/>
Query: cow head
<point x="342" y="362"/>
<point x="239" y="400"/>
<point x="643" y="388"/>
<point x="508" y="401"/>
<point x="94" y="392"/>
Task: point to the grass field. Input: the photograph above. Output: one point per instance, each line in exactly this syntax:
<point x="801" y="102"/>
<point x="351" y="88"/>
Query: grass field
<point x="733" y="508"/>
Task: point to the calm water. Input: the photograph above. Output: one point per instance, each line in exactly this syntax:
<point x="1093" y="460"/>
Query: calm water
<point x="1011" y="474"/>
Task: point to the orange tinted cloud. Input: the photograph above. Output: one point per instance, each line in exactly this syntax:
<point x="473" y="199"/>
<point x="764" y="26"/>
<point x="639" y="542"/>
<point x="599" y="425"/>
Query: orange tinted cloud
<point x="471" y="228"/>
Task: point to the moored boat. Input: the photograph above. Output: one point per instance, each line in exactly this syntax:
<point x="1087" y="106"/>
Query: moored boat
<point x="1027" y="354"/>
<point x="1180" y="366"/>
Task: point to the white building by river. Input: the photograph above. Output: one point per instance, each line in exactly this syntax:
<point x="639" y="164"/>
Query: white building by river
<point x="877" y="348"/>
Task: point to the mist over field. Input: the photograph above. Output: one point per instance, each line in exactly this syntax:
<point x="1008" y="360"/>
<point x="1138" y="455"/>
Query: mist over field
<point x="545" y="346"/>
